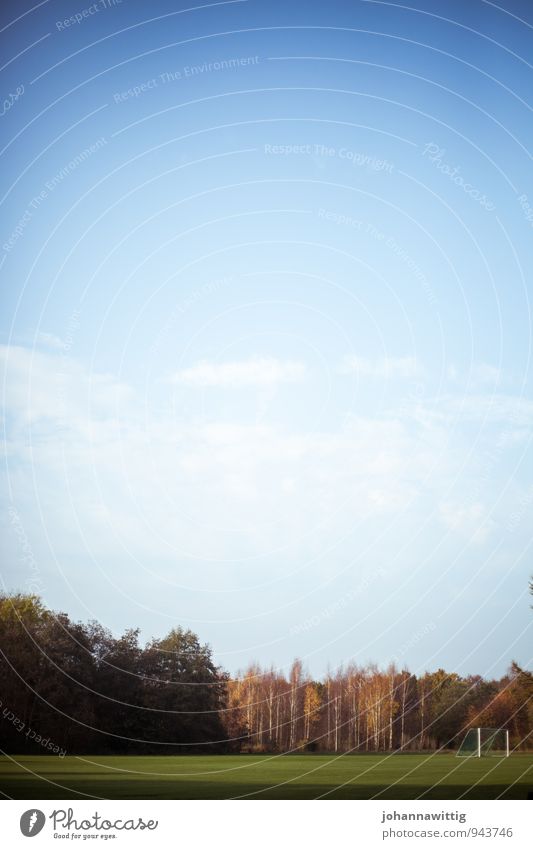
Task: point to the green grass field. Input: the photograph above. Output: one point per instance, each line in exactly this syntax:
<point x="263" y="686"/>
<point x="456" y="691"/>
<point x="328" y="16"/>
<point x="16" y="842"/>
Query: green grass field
<point x="267" y="777"/>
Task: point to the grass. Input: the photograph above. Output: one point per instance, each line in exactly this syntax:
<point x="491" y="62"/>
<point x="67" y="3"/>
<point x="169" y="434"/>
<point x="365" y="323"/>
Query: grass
<point x="266" y="777"/>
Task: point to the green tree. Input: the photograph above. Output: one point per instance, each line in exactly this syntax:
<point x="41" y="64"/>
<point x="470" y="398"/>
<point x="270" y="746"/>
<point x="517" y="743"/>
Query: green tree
<point x="183" y="691"/>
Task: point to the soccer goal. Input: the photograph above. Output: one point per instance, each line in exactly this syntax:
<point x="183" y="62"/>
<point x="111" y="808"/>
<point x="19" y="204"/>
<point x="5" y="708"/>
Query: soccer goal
<point x="485" y="742"/>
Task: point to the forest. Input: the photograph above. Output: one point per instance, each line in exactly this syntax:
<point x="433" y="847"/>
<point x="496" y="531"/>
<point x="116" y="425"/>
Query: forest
<point x="70" y="688"/>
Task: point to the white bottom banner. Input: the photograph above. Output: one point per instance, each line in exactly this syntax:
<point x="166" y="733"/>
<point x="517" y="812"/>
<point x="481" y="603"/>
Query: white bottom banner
<point x="262" y="824"/>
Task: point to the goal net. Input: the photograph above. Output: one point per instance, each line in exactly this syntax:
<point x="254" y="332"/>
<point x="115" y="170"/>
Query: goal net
<point x="485" y="742"/>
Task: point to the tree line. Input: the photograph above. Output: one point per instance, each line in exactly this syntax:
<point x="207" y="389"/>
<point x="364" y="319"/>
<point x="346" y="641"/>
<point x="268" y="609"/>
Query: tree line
<point x="367" y="709"/>
<point x="73" y="687"/>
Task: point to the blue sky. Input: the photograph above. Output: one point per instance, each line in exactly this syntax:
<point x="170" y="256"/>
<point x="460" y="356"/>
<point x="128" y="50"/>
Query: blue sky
<point x="266" y="334"/>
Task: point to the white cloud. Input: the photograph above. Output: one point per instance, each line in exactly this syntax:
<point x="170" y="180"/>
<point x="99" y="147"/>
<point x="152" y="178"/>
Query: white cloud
<point x="476" y="375"/>
<point x="134" y="476"/>
<point x="117" y="474"/>
<point x="512" y="411"/>
<point x="258" y="372"/>
<point x="50" y="340"/>
<point x="382" y="368"/>
<point x="49" y="386"/>
<point x="484" y="374"/>
<point x="470" y="520"/>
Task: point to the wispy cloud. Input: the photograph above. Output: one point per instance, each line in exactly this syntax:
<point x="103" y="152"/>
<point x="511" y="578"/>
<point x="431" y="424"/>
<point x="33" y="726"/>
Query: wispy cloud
<point x="470" y="520"/>
<point x="257" y="372"/>
<point x="224" y="487"/>
<point x="384" y="367"/>
<point x="43" y="385"/>
<point x="50" y="340"/>
<point x="513" y="412"/>
<point x="476" y="375"/>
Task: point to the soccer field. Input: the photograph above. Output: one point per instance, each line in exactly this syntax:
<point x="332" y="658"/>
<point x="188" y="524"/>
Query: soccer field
<point x="267" y="777"/>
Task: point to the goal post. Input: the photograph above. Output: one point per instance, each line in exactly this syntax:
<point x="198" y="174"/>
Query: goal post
<point x="485" y="742"/>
